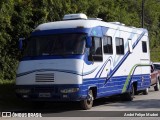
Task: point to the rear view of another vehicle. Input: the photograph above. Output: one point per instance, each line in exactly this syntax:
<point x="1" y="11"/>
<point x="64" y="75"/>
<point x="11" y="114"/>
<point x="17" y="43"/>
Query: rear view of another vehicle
<point x="155" y="76"/>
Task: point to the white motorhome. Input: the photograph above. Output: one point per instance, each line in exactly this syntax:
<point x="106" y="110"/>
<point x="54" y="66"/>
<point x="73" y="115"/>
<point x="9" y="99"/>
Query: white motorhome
<point x="82" y="59"/>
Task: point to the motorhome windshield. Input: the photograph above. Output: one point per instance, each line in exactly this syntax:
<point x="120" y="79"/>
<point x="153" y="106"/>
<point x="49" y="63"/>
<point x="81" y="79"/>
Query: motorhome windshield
<point x="157" y="66"/>
<point x="61" y="44"/>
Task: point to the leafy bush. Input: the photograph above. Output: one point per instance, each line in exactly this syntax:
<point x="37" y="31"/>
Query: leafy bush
<point x="19" y="17"/>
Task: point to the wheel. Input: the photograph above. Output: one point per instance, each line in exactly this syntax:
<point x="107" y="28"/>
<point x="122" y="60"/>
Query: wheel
<point x="156" y="88"/>
<point x="88" y="103"/>
<point x="146" y="91"/>
<point x="129" y="95"/>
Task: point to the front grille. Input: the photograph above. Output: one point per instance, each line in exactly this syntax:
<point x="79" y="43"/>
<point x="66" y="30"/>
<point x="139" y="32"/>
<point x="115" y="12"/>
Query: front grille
<point x="45" y="77"/>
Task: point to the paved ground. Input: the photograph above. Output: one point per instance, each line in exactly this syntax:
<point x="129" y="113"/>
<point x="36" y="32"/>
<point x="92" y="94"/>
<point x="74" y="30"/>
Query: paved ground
<point x="111" y="107"/>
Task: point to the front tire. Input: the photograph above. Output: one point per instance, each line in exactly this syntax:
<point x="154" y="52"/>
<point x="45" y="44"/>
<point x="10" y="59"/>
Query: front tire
<point x="88" y="103"/>
<point x="156" y="87"/>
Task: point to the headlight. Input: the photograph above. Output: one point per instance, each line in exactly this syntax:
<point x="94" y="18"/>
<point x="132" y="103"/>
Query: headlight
<point x="69" y="90"/>
<point x="22" y="90"/>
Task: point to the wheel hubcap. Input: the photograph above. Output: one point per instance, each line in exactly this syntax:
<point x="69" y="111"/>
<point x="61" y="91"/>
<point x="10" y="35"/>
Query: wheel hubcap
<point x="90" y="98"/>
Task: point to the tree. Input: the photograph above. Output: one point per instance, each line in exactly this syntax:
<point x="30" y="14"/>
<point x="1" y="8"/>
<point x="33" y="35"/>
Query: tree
<point x="18" y="18"/>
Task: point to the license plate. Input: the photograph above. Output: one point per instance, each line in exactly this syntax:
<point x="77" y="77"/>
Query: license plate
<point x="44" y="95"/>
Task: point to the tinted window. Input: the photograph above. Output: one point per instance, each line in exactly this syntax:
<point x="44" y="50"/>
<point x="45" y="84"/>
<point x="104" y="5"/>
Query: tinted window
<point x="107" y="44"/>
<point x="157" y="66"/>
<point x="96" y="46"/>
<point x="119" y="46"/>
<point x="55" y="45"/>
<point x="144" y="46"/>
<point x="96" y="50"/>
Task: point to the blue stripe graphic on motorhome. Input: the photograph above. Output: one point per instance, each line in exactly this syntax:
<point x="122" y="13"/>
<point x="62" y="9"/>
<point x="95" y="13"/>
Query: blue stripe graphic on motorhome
<point x="57" y="70"/>
<point x="124" y="58"/>
<point x="103" y="66"/>
<point x="114" y="85"/>
<point x="61" y="31"/>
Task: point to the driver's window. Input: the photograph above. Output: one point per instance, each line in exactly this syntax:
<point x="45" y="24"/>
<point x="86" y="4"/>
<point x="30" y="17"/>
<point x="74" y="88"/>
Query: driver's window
<point x="96" y="46"/>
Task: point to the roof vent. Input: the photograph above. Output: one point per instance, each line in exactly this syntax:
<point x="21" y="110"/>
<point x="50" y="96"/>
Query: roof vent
<point x="75" y="16"/>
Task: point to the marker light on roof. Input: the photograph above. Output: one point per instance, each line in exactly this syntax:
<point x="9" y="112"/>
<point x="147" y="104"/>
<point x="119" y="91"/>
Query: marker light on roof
<point x="75" y="16"/>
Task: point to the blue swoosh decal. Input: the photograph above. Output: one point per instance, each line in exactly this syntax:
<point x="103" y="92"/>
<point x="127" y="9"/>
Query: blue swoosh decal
<point x="125" y="56"/>
<point x="57" y="70"/>
<point x="103" y="66"/>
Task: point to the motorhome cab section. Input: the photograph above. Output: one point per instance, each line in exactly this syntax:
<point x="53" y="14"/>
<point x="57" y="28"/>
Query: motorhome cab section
<point x="82" y="59"/>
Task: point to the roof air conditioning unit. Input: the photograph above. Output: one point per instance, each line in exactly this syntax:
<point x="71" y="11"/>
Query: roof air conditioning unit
<point x="75" y="16"/>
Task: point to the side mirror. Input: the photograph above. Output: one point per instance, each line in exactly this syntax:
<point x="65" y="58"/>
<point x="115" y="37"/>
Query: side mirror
<point x="88" y="42"/>
<point x="21" y="43"/>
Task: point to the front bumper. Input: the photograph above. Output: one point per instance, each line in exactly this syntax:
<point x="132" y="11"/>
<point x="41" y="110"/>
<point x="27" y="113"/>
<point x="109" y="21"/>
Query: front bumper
<point x="47" y="93"/>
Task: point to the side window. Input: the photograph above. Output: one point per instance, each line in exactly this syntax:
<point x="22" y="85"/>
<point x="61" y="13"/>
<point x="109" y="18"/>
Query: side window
<point x="119" y="46"/>
<point x="144" y="46"/>
<point x="107" y="44"/>
<point x="97" y="46"/>
<point x="96" y="50"/>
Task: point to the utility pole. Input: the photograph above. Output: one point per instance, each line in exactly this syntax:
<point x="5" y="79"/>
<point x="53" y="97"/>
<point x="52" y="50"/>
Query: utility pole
<point x="142" y="13"/>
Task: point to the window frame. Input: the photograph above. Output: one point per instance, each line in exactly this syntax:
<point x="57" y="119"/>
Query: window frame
<point x="144" y="48"/>
<point x="93" y="43"/>
<point x="130" y="49"/>
<point x="121" y="49"/>
<point x="111" y="50"/>
<point x="92" y="54"/>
